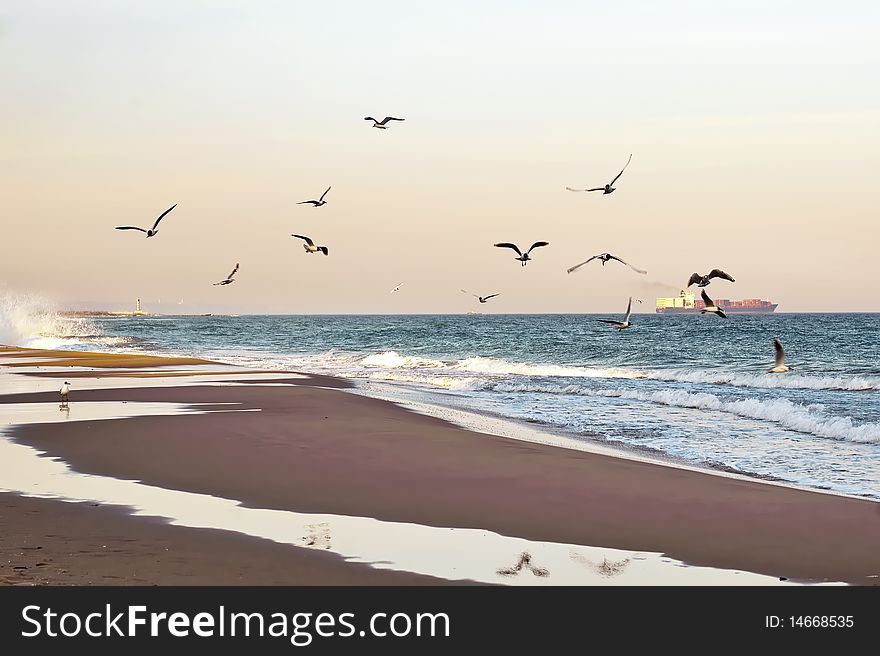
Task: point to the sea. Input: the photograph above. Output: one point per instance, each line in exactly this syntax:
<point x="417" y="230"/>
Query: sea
<point x="687" y="389"/>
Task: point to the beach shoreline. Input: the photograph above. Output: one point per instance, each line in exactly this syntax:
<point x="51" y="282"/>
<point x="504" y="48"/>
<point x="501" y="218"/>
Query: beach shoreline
<point x="305" y="444"/>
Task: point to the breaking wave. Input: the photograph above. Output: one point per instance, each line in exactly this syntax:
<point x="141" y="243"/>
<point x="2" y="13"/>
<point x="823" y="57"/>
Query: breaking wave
<point x="770" y="381"/>
<point x="392" y="360"/>
<point x="807" y="419"/>
<point x="493" y="366"/>
<point x="32" y="321"/>
<point x="794" y="416"/>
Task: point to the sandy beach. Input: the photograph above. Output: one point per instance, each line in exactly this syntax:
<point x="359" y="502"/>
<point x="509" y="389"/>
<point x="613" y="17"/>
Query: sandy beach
<point x="305" y="444"/>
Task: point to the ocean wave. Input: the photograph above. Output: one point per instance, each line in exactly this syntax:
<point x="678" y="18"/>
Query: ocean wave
<point x="497" y="367"/>
<point x="500" y="367"/>
<point x="29" y="320"/>
<point x="452" y="383"/>
<point x="483" y="365"/>
<point x="393" y="360"/>
<point x="807" y="419"/>
<point x="769" y="381"/>
<point x="797" y="417"/>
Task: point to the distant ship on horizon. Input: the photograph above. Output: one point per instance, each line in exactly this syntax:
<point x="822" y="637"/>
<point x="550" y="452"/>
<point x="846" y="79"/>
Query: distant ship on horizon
<point x="687" y="303"/>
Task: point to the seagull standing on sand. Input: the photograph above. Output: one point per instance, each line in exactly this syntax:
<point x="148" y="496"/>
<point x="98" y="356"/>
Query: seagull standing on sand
<point x="228" y="280"/>
<point x="523" y="257"/>
<point x="152" y="231"/>
<point x="607" y="189"/>
<point x="397" y="288"/>
<point x="316" y="203"/>
<point x="604" y="257"/>
<point x="310" y="247"/>
<point x="702" y="281"/>
<point x="780" y="367"/>
<point x="381" y="124"/>
<point x="710" y="306"/>
<point x="620" y="325"/>
<point x="65" y="390"/>
<point x="481" y="299"/>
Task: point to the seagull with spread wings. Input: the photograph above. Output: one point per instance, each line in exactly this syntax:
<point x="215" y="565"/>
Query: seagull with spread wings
<point x="604" y="257"/>
<point x="228" y="280"/>
<point x="381" y="124"/>
<point x="481" y="299"/>
<point x="316" y="203"/>
<point x="607" y="189"/>
<point x="779" y="366"/>
<point x="523" y="257"/>
<point x="310" y="247"/>
<point x="152" y="231"/>
<point x="710" y="306"/>
<point x="621" y="325"/>
<point x="702" y="281"/>
<point x="396" y="288"/>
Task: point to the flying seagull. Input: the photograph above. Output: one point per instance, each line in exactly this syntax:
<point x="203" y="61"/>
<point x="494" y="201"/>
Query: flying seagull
<point x="152" y="231"/>
<point x="381" y="124"/>
<point x="316" y="203"/>
<point x="702" y="281"/>
<point x="620" y="325"/>
<point x="64" y="391"/>
<point x="397" y="288"/>
<point x="604" y="257"/>
<point x="779" y="367"/>
<point x="523" y="257"/>
<point x="310" y="247"/>
<point x="607" y="189"/>
<point x="481" y="299"/>
<point x="228" y="279"/>
<point x="710" y="306"/>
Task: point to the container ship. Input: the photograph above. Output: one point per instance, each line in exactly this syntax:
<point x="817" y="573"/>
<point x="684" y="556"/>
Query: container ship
<point x="686" y="302"/>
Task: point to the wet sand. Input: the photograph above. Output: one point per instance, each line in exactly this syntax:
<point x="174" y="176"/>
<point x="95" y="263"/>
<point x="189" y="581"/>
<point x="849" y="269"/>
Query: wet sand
<point x="47" y="542"/>
<point x="315" y="449"/>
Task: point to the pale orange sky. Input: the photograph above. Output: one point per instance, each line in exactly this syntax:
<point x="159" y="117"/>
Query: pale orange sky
<point x="755" y="141"/>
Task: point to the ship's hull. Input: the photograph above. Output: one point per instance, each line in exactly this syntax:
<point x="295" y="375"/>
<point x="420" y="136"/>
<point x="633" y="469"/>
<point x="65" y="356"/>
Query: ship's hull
<point x="765" y="309"/>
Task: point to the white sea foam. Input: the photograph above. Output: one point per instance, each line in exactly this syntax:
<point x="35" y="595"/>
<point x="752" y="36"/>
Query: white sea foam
<point x="482" y="365"/>
<point x="393" y="360"/>
<point x="492" y="368"/>
<point x="794" y="416"/>
<point x="808" y="419"/>
<point x="770" y="381"/>
<point x="30" y="320"/>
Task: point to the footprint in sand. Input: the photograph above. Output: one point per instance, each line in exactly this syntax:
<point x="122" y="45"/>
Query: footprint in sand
<point x="318" y="536"/>
<point x="606" y="568"/>
<point x="525" y="560"/>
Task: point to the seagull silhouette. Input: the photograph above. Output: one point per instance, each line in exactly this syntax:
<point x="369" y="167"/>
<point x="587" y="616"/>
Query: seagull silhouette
<point x="481" y="299"/>
<point x="228" y="280"/>
<point x="152" y="231"/>
<point x="523" y="257"/>
<point x="779" y="367"/>
<point x="310" y="247"/>
<point x="604" y="257"/>
<point x="621" y="325"/>
<point x="702" y="281"/>
<point x="316" y="203"/>
<point x="381" y="124"/>
<point x="607" y="189"/>
<point x="710" y="306"/>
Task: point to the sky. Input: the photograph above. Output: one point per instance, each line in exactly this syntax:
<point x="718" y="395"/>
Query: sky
<point x="754" y="129"/>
